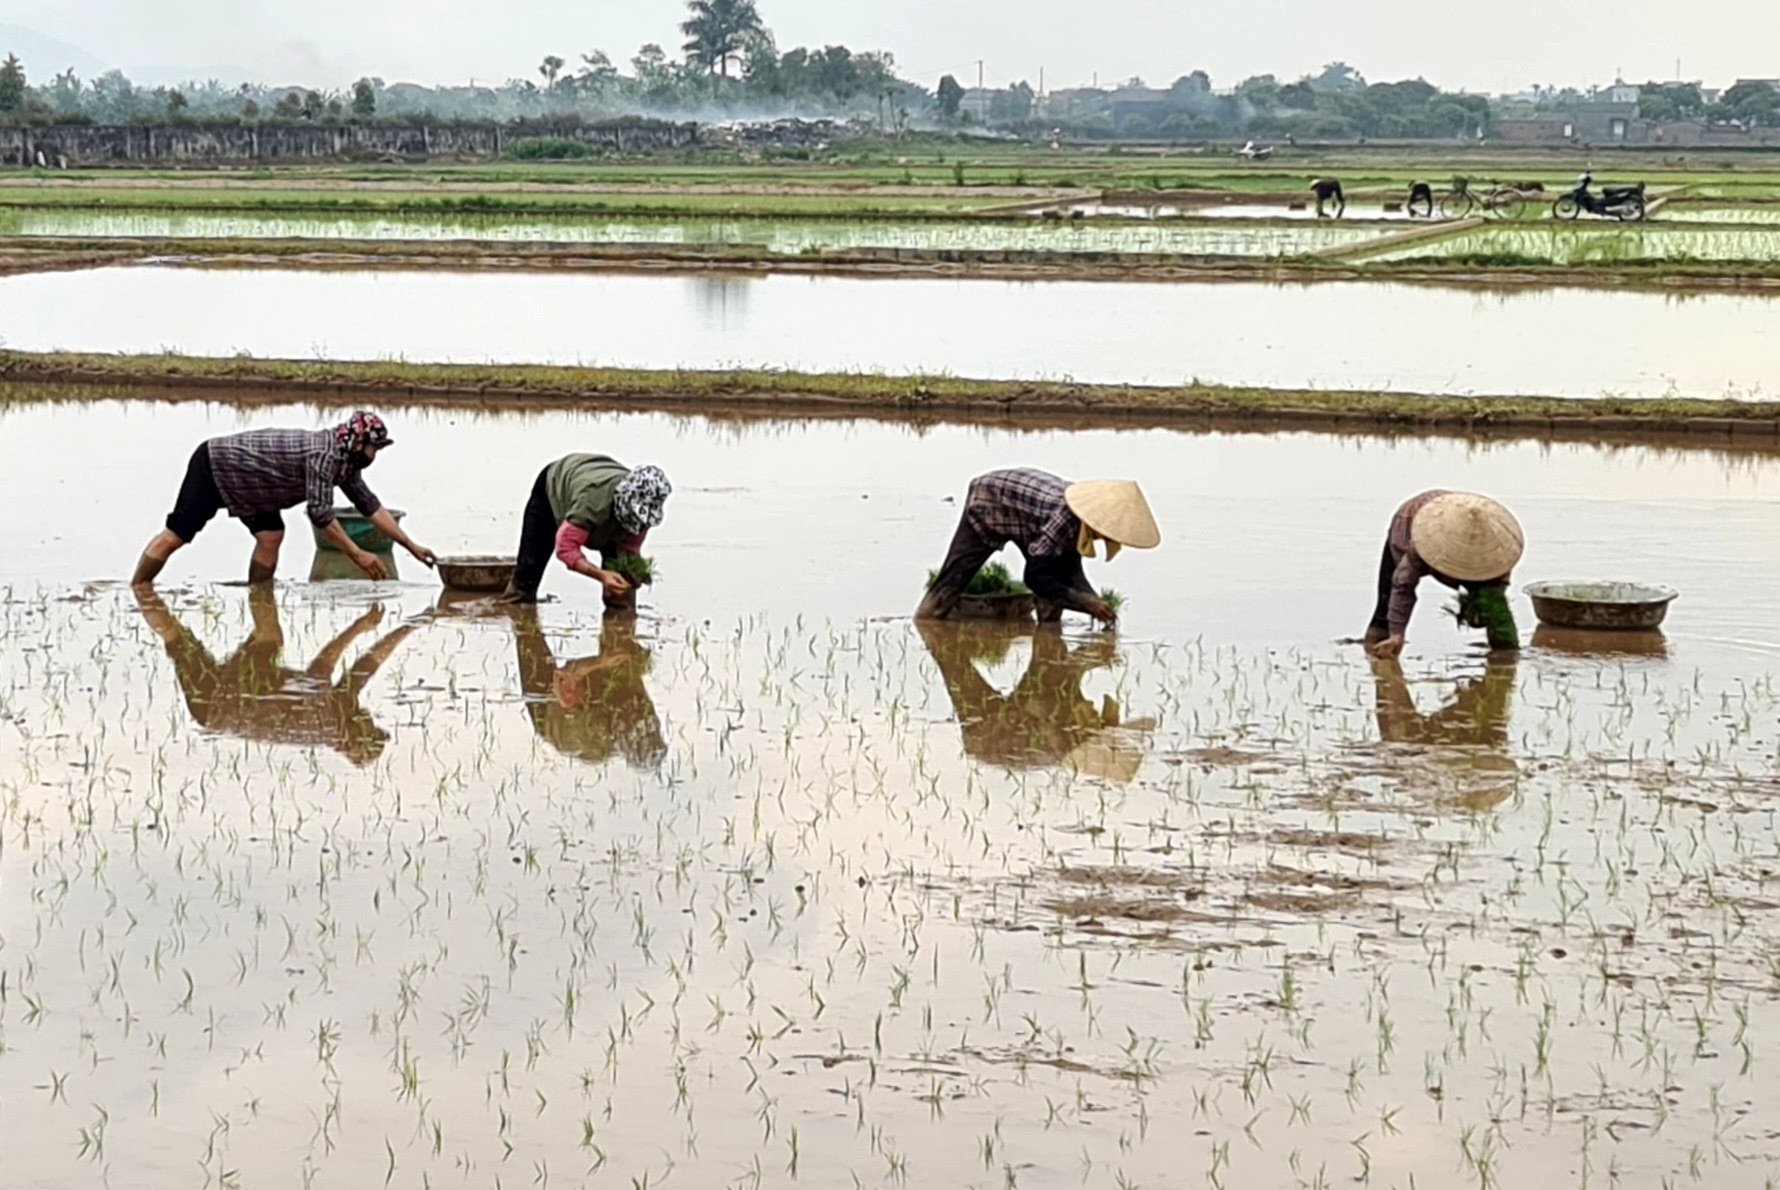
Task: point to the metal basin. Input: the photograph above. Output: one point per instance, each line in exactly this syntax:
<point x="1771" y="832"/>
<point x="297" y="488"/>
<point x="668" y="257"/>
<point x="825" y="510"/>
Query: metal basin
<point x="1609" y="606"/>
<point x="364" y="534"/>
<point x="477" y="572"/>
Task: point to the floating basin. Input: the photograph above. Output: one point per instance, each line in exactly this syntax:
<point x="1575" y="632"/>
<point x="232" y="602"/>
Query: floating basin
<point x="1612" y="606"/>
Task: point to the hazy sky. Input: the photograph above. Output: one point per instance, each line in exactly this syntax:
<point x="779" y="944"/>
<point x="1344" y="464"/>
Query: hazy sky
<point x="1488" y="48"/>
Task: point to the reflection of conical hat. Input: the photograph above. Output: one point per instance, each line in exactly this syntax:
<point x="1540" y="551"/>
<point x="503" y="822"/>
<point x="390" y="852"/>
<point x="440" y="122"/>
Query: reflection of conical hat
<point x="1114" y="758"/>
<point x="1467" y="537"/>
<point x="1115" y="509"/>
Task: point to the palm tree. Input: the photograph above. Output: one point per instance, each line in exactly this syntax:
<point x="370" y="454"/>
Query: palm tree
<point x="717" y="30"/>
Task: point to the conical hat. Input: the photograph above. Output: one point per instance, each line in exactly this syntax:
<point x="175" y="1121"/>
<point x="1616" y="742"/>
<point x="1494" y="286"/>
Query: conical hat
<point x="1115" y="509"/>
<point x="1113" y="758"/>
<point x="1467" y="537"/>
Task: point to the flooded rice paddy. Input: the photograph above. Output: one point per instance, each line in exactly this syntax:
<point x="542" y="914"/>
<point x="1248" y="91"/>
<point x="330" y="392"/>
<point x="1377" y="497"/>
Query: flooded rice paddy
<point x="1387" y="336"/>
<point x="1603" y="244"/>
<point x="353" y="885"/>
<point x="1295" y="210"/>
<point x="789" y="236"/>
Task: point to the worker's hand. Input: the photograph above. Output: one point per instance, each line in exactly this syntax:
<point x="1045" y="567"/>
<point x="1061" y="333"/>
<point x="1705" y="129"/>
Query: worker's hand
<point x="423" y="555"/>
<point x="1103" y="611"/>
<point x="1388" y="649"/>
<point x="371" y="564"/>
<point x="616" y="585"/>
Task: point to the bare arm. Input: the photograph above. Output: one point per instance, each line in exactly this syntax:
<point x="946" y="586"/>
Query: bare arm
<point x="362" y="559"/>
<point x="392" y="530"/>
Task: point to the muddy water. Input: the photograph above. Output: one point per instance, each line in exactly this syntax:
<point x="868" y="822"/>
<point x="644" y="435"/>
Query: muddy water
<point x="776" y="235"/>
<point x="352" y="885"/>
<point x="1269" y="538"/>
<point x="1232" y="210"/>
<point x="1368" y="335"/>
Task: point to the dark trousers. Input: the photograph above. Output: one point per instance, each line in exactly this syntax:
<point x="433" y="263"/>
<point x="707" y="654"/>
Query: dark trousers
<point x="1058" y="583"/>
<point x="1380" y="628"/>
<point x="199" y="500"/>
<point x="537" y="539"/>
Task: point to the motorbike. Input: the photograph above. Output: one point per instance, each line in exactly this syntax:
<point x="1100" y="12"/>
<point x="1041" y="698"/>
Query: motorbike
<point x="1625" y="203"/>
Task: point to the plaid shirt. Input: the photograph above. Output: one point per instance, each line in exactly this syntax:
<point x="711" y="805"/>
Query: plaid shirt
<point x="272" y="470"/>
<point x="1411" y="569"/>
<point x="1026" y="507"/>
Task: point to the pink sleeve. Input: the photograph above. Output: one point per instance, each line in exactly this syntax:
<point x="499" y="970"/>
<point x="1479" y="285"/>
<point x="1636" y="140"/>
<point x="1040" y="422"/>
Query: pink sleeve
<point x="570" y="541"/>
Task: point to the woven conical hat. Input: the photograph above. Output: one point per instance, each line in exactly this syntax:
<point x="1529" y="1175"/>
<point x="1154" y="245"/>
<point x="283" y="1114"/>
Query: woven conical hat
<point x="1467" y="537"/>
<point x="1115" y="509"/>
<point x="1116" y="759"/>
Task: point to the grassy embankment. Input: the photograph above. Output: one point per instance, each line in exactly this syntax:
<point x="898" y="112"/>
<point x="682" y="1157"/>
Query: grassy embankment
<point x="791" y="393"/>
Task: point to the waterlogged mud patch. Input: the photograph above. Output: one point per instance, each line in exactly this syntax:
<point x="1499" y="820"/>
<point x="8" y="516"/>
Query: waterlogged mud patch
<point x="618" y="902"/>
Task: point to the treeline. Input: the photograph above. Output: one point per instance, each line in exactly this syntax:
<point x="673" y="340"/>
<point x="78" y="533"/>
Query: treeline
<point x="729" y="66"/>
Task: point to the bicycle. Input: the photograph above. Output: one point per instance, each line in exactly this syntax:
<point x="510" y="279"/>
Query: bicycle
<point x="1459" y="202"/>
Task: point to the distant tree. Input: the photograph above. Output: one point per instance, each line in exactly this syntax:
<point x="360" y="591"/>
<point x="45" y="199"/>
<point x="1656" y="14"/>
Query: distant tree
<point x="1337" y="76"/>
<point x="761" y="64"/>
<point x="177" y="103"/>
<point x="1196" y="83"/>
<point x="1297" y="97"/>
<point x="717" y="31"/>
<point x="949" y="98"/>
<point x="1012" y="106"/>
<point x="289" y="106"/>
<point x="1670" y="101"/>
<point x="1262" y="90"/>
<point x="550" y="67"/>
<point x="65" y="93"/>
<point x="12" y="84"/>
<point x="250" y="110"/>
<point x="364" y="99"/>
<point x="597" y="74"/>
<point x="1753" y="104"/>
<point x="654" y="73"/>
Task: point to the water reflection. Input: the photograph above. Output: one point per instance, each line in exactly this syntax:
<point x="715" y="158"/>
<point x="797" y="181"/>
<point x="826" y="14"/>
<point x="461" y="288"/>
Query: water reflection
<point x="252" y="695"/>
<point x="591" y="708"/>
<point x="331" y="566"/>
<point x="1583" y="643"/>
<point x="1458" y="754"/>
<point x="1045" y="721"/>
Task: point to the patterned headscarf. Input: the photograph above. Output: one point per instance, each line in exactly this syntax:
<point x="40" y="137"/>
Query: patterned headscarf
<point x="362" y="429"/>
<point x="639" y="499"/>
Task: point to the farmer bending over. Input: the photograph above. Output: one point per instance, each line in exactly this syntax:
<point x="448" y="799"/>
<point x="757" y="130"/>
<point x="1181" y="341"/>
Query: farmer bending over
<point x="1421" y="200"/>
<point x="258" y="474"/>
<point x="587" y="502"/>
<point x="1466" y="541"/>
<point x="1328" y="190"/>
<point x="1056" y="524"/>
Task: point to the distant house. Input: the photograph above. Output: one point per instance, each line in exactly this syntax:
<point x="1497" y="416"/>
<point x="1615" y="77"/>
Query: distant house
<point x="1072" y="103"/>
<point x="1591" y="122"/>
<point x="976" y="103"/>
<point x="1622" y="92"/>
<point x="1139" y="103"/>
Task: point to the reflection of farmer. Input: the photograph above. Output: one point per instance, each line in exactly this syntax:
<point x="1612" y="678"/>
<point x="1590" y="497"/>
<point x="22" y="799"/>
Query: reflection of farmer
<point x="1421" y="200"/>
<point x="253" y="696"/>
<point x="587" y="502"/>
<point x="1045" y="721"/>
<point x="1056" y="524"/>
<point x="591" y="708"/>
<point x="1458" y="755"/>
<point x="258" y="474"/>
<point x="1476" y="715"/>
<point x="1328" y="190"/>
<point x="1466" y="541"/>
